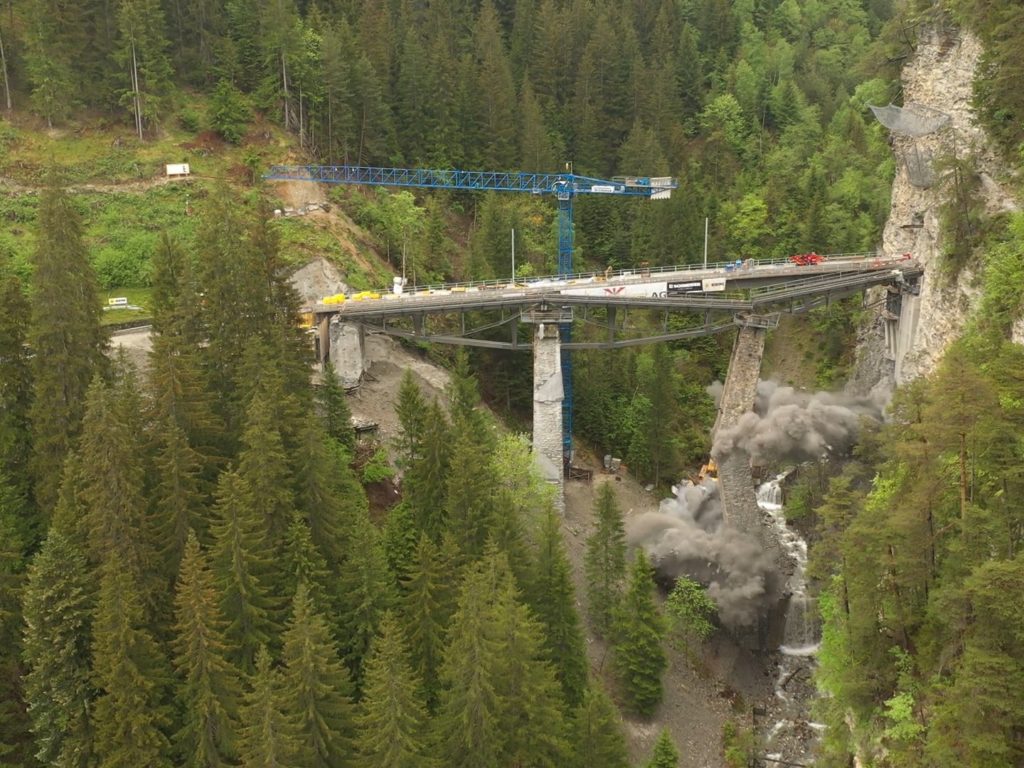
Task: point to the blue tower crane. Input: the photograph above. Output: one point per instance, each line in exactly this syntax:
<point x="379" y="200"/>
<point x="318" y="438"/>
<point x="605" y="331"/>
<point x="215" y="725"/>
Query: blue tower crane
<point x="564" y="186"/>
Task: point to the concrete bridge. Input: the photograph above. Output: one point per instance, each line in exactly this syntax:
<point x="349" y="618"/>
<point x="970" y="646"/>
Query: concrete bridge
<point x="749" y="295"/>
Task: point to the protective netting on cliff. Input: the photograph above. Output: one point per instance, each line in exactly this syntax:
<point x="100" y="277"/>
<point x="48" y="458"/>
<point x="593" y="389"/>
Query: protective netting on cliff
<point x="914" y="121"/>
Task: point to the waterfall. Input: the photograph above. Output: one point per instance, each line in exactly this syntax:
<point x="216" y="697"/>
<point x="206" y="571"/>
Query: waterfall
<point x="792" y="736"/>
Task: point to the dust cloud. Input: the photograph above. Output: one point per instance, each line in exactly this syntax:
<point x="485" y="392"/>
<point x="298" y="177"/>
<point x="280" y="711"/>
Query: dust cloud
<point x="792" y="425"/>
<point x="686" y="537"/>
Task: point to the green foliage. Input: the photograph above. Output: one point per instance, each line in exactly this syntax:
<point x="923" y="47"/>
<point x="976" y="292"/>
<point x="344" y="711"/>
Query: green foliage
<point x="738" y="744"/>
<point x="690" y="608"/>
<point x="269" y="734"/>
<point x="665" y="754"/>
<point x="378" y="468"/>
<point x="605" y="561"/>
<point x="596" y="736"/>
<point x="229" y="113"/>
<point x="639" y="658"/>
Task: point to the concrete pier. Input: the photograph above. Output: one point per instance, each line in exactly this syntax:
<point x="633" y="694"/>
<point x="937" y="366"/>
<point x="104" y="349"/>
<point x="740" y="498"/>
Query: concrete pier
<point x="548" y="394"/>
<point x="347" y="351"/>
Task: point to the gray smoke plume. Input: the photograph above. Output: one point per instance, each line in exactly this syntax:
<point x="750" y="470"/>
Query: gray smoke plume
<point x="685" y="537"/>
<point x="790" y="425"/>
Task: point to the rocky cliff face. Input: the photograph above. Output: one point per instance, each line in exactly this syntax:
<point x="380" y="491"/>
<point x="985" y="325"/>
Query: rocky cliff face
<point x="938" y="77"/>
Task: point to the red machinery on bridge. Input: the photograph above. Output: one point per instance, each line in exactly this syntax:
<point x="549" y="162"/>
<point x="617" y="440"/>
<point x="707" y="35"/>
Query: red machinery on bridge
<point x="806" y="259"/>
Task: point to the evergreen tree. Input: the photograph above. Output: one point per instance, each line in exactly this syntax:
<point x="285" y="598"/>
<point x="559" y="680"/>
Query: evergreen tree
<point x="305" y="563"/>
<point x="334" y="410"/>
<point x="470" y="508"/>
<point x="130" y="674"/>
<point x="269" y="736"/>
<point x="366" y="590"/>
<point x="143" y="53"/>
<point x="605" y="561"/>
<point x="596" y="736"/>
<point x="469" y="706"/>
<point x="178" y="504"/>
<point x="393" y="725"/>
<point x="665" y="754"/>
<point x="15" y="382"/>
<point x="412" y="416"/>
<point x="531" y="708"/>
<point x="208" y="685"/>
<point x="49" y="41"/>
<point x="58" y="606"/>
<point x="318" y="688"/>
<point x="240" y="559"/>
<point x="427" y="477"/>
<point x="112" y="477"/>
<point x="639" y="630"/>
<point x="426" y="609"/>
<point x="554" y="604"/>
<point x="263" y="468"/>
<point x="15" y="725"/>
<point x="65" y="336"/>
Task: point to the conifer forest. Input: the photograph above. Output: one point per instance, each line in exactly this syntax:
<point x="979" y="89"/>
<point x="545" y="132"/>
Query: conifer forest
<point x="196" y="567"/>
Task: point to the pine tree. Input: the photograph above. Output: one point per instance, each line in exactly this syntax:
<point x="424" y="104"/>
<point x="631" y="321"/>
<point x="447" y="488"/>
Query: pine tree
<point x="58" y="606"/>
<point x="412" y="416"/>
<point x="393" y="725"/>
<point x="15" y="382"/>
<point x="208" y="684"/>
<point x="112" y="476"/>
<point x="596" y="737"/>
<point x="318" y="688"/>
<point x="639" y="631"/>
<point x="426" y="479"/>
<point x="605" y="561"/>
<point x="65" y="336"/>
<point x="263" y="467"/>
<point x="143" y="53"/>
<point x="366" y="589"/>
<point x="269" y="736"/>
<point x="469" y="507"/>
<point x="554" y="604"/>
<point x="241" y="559"/>
<point x="426" y="608"/>
<point x="334" y="410"/>
<point x="665" y="754"/>
<point x="469" y="706"/>
<point x="129" y="671"/>
<point x="531" y="707"/>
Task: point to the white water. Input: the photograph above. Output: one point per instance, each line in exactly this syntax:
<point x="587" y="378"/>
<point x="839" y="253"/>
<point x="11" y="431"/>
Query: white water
<point x="792" y="736"/>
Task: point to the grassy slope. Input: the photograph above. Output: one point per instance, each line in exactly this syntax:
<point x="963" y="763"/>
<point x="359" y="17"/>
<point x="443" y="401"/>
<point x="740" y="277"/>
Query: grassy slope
<point x="126" y="201"/>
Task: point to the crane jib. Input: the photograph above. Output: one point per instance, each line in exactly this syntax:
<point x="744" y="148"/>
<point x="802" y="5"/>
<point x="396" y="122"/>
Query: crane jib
<point x="559" y="184"/>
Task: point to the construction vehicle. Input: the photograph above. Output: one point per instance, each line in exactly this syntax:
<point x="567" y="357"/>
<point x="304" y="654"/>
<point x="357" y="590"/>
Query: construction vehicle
<point x="806" y="259"/>
<point x="708" y="471"/>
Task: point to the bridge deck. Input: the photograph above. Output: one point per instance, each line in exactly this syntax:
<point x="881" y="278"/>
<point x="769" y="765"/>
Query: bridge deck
<point x="673" y="288"/>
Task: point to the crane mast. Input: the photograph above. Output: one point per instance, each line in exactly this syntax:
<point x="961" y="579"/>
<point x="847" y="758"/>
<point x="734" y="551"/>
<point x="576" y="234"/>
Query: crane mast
<point x="563" y="186"/>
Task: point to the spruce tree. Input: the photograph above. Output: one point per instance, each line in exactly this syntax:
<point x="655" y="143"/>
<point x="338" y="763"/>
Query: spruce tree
<point x="15" y="736"/>
<point x="425" y="481"/>
<point x="15" y="382"/>
<point x="665" y="754"/>
<point x="65" y="337"/>
<point x="596" y="736"/>
<point x="142" y="53"/>
<point x="334" y="410"/>
<point x="471" y="483"/>
<point x="207" y="688"/>
<point x="531" y="707"/>
<point x="605" y="561"/>
<point x="554" y="604"/>
<point x="639" y="630"/>
<point x="263" y="467"/>
<point x="412" y="416"/>
<point x="393" y="725"/>
<point x="130" y="673"/>
<point x="177" y="502"/>
<point x="58" y="607"/>
<point x="366" y="589"/>
<point x="269" y="735"/>
<point x="241" y="559"/>
<point x="468" y="713"/>
<point x="317" y="688"/>
<point x="427" y="605"/>
<point x="306" y="564"/>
